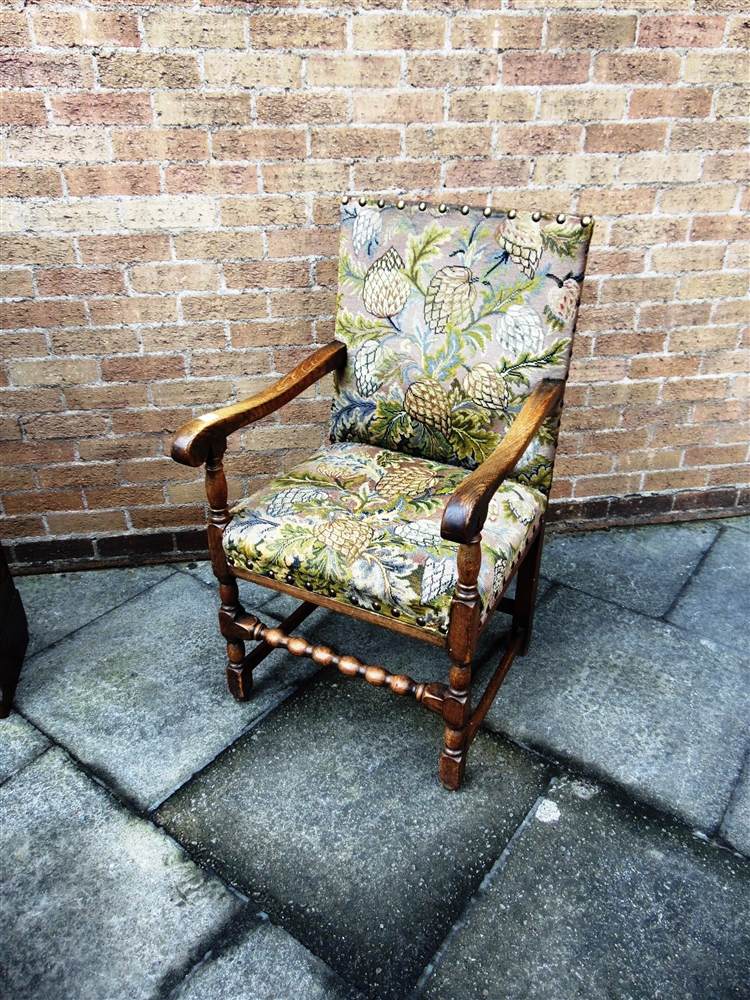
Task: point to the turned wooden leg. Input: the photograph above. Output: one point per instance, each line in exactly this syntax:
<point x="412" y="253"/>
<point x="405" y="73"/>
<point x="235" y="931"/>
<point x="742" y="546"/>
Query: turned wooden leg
<point x="462" y="638"/>
<point x="239" y="678"/>
<point x="526" y="588"/>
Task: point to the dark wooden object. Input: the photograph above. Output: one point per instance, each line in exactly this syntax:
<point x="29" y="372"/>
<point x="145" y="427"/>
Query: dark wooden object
<point x="14" y="637"/>
<point x="204" y="441"/>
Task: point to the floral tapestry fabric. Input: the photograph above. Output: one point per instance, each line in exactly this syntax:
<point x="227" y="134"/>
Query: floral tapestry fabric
<point x="362" y="525"/>
<point x="451" y="319"/>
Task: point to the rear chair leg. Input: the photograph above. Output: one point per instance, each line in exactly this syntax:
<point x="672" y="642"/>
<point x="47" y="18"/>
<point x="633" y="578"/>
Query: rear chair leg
<point x="526" y="587"/>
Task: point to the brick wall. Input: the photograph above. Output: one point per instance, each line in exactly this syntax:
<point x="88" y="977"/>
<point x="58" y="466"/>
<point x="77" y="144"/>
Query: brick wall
<point x="171" y="179"/>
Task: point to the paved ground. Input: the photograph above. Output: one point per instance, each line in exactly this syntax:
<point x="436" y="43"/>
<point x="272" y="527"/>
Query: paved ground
<point x="158" y="840"/>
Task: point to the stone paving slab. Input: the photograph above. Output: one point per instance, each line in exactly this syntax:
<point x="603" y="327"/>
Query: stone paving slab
<point x="599" y="901"/>
<point x="716" y="601"/>
<point x="735" y="827"/>
<point x="330" y="814"/>
<point x="267" y="964"/>
<point x="140" y="694"/>
<point x="95" y="904"/>
<point x="20" y="743"/>
<point x="631" y="700"/>
<point x="57" y="604"/>
<point x="251" y="595"/>
<point x="641" y="568"/>
<point x="741" y="523"/>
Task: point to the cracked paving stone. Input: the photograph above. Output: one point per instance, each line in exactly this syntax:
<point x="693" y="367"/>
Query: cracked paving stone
<point x="20" y="743"/>
<point x="57" y="604"/>
<point x="94" y="902"/>
<point x="735" y="827"/>
<point x="268" y="964"/>
<point x="599" y="900"/>
<point x="716" y="601"/>
<point x="330" y="814"/>
<point x="631" y="700"/>
<point x="641" y="568"/>
<point x="140" y="694"/>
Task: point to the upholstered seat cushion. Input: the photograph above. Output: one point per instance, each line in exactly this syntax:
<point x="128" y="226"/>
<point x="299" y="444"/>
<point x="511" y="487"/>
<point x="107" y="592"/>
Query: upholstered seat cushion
<point x="362" y="524"/>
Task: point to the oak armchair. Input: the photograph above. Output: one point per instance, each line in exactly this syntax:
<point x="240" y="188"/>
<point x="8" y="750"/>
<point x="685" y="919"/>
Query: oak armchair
<point x="453" y="336"/>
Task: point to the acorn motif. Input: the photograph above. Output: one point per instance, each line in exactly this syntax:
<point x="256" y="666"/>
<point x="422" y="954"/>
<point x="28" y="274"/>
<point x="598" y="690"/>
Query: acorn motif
<point x="402" y="480"/>
<point x="562" y="302"/>
<point x="368" y="225"/>
<point x="385" y="289"/>
<point x="426" y="401"/>
<point x="366" y="363"/>
<point x="486" y="387"/>
<point x="438" y="577"/>
<point x="450" y="297"/>
<point x="520" y="329"/>
<point x="521" y="238"/>
<point x="283" y="503"/>
<point x="346" y="535"/>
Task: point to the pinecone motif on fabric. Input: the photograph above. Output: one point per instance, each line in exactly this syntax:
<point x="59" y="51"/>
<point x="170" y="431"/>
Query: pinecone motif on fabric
<point x="367" y="228"/>
<point x="346" y="535"/>
<point x="449" y="299"/>
<point x="404" y="481"/>
<point x="283" y="503"/>
<point x="498" y="578"/>
<point x="486" y="387"/>
<point x="386" y="290"/>
<point x="519" y="329"/>
<point x="562" y="302"/>
<point x="426" y="401"/>
<point x="439" y="576"/>
<point x="521" y="238"/>
<point x="366" y="364"/>
<point x="423" y="534"/>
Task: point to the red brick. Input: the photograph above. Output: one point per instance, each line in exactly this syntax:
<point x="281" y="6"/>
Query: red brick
<point x="22" y="109"/>
<point x="112" y="180"/>
<point x="299" y="31"/>
<point x="80" y="281"/>
<point x="41" y="314"/>
<point x="534" y="139"/>
<point x="625" y="138"/>
<point x="125" y="249"/>
<point x="259" y="144"/>
<point x="637" y="67"/>
<point x="14" y="30"/>
<point x="313" y="108"/>
<point x="143" y="369"/>
<point x="591" y="31"/>
<point x="212" y="179"/>
<point x="683" y="102"/>
<point x="36" y="69"/>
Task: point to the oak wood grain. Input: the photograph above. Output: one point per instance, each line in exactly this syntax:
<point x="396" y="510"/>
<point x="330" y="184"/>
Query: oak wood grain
<point x="465" y="512"/>
<point x="195" y="438"/>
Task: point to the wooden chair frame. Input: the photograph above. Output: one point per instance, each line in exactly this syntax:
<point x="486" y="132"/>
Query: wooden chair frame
<point x="204" y="441"/>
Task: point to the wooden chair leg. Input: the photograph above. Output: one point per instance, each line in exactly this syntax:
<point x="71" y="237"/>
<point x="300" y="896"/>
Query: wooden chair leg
<point x="526" y="588"/>
<point x="462" y="639"/>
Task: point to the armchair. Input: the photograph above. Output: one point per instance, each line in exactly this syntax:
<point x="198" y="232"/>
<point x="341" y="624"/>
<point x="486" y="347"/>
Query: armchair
<point x="453" y="336"/>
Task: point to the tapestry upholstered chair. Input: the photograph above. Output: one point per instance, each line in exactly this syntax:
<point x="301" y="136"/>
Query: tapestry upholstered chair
<point x="453" y="337"/>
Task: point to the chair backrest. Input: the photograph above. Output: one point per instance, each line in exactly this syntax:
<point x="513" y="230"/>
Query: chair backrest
<point x="451" y="316"/>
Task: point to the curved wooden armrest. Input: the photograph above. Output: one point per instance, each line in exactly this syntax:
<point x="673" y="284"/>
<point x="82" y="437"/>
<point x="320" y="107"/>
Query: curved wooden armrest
<point x="466" y="510"/>
<point x="194" y="439"/>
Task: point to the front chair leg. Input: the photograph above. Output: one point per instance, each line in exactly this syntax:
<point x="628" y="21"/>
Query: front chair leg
<point x="526" y="587"/>
<point x="462" y="639"/>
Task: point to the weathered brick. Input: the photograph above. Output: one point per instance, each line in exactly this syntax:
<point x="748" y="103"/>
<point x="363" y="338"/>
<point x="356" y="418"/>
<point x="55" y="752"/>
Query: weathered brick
<point x="291" y="108"/>
<point x="673" y="260"/>
<point x="497" y="33"/>
<point x="491" y="106"/>
<point x="524" y="69"/>
<point x="400" y="107"/>
<point x="252" y="69"/>
<point x="413" y="176"/>
<point x="169" y="213"/>
<point x="188" y="29"/>
<point x="172" y="144"/>
<point x="201" y="109"/>
<point x="398" y="31"/>
<point x="140" y="70"/>
<point x="725" y="167"/>
<point x="16" y="285"/>
<point x="259" y="144"/>
<point x="592" y="104"/>
<point x="73" y="216"/>
<point x="230" y="363"/>
<point x="57" y="145"/>
<point x="298" y="31"/>
<point x="85" y="28"/>
<point x="637" y="67"/>
<point x="301" y="243"/>
<point x="660" y="167"/>
<point x="698" y="198"/>
<point x="14" y="29"/>
<point x="272" y="333"/>
<point x="40" y="501"/>
<point x="53" y="372"/>
<point x="80" y="281"/>
<point x="488" y="173"/>
<point x="454" y="70"/>
<point x="211" y="178"/>
<point x="40" y="69"/>
<point x="115" y="311"/>
<point x="232" y="307"/>
<point x="628" y="138"/>
<point x="682" y="102"/>
<point x="40" y="249"/>
<point x="125" y="249"/>
<point x="174" y="277"/>
<point x="731" y="102"/>
<point x="282" y="177"/>
<point x="681" y="31"/>
<point x="218" y="245"/>
<point x="21" y="108"/>
<point x="717" y="67"/>
<point x="591" y="31"/>
<point x="353" y="71"/>
<point x="712" y="286"/>
<point x="268" y="274"/>
<point x="102" y="109"/>
<point x="30" y="182"/>
<point x="142" y="369"/>
<point x="335" y="142"/>
<point x="112" y="180"/>
<point x="709" y="135"/>
<point x="535" y="139"/>
<point x="44" y="315"/>
<point x="94" y="341"/>
<point x="205" y="337"/>
<point x="271" y="211"/>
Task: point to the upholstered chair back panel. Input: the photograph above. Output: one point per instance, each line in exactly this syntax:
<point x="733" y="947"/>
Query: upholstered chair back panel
<point x="451" y="318"/>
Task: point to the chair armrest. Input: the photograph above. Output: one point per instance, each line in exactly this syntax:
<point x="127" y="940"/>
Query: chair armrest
<point x="466" y="510"/>
<point x="195" y="438"/>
